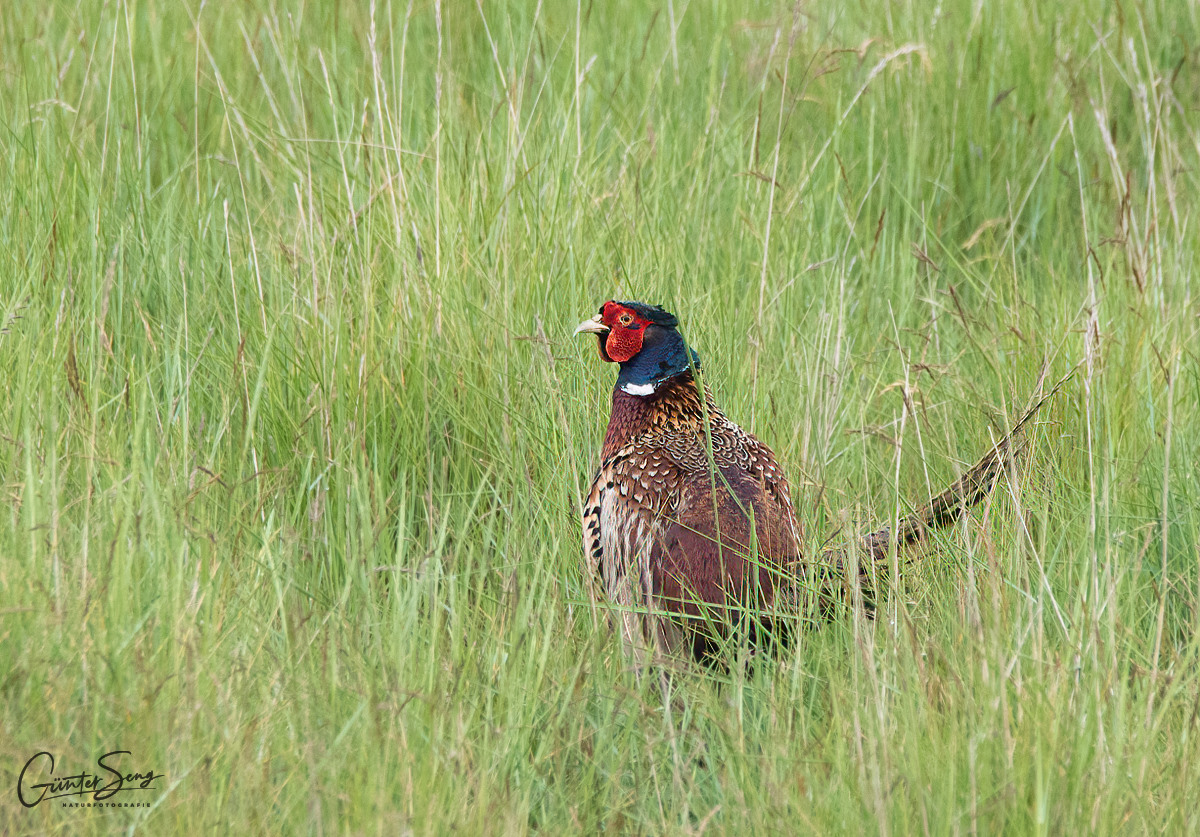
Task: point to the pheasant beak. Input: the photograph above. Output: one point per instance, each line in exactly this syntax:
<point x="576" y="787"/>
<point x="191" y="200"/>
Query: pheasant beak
<point x="592" y="326"/>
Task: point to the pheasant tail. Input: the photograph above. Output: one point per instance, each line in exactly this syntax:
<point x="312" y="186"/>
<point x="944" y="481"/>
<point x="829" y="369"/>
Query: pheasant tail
<point x="947" y="507"/>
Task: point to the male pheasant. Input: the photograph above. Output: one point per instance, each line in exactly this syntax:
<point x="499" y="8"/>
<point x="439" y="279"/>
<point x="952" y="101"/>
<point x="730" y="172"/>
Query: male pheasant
<point x="689" y="528"/>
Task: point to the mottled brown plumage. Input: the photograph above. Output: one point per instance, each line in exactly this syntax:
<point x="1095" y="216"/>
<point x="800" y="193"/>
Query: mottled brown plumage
<point x="689" y="530"/>
<point x="664" y="530"/>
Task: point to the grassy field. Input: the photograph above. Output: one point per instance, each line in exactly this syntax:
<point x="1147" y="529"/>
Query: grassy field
<point x="295" y="431"/>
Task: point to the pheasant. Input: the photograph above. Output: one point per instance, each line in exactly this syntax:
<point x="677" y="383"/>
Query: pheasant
<point x="689" y="529"/>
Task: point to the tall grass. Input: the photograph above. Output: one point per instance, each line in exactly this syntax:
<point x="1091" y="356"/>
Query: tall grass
<point x="295" y="431"/>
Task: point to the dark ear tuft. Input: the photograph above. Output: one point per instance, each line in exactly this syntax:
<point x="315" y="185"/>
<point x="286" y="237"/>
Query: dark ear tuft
<point x="653" y="313"/>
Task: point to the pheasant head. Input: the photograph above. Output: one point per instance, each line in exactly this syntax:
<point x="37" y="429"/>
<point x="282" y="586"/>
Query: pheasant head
<point x="645" y="341"/>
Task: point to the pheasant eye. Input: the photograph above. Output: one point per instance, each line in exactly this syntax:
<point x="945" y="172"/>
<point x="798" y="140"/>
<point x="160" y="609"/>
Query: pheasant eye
<point x="625" y="319"/>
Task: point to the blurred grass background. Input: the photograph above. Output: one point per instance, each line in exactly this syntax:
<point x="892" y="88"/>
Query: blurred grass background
<point x="295" y="431"/>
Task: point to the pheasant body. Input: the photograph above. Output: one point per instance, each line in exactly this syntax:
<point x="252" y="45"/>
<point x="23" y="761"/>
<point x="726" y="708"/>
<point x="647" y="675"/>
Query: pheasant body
<point x="665" y="531"/>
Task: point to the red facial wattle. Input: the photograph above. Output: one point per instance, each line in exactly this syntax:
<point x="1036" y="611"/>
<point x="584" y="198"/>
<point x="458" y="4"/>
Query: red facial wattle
<point x="627" y="329"/>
